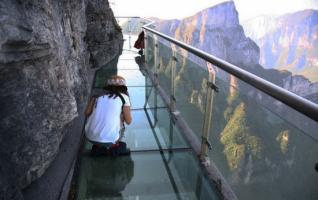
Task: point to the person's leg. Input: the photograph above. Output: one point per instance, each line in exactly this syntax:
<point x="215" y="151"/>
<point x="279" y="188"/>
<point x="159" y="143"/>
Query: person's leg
<point x="123" y="149"/>
<point x="120" y="148"/>
<point x="99" y="148"/>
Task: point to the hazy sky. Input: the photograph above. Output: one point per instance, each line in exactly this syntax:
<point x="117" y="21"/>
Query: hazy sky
<point x="168" y="9"/>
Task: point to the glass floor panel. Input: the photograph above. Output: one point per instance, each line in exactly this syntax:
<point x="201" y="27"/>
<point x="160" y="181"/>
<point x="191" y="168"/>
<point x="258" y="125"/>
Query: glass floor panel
<point x="141" y="135"/>
<point x="125" y="177"/>
<point x="169" y="136"/>
<point x="188" y="176"/>
<point x="154" y="100"/>
<point x="133" y="177"/>
<point x="138" y="98"/>
<point x="133" y="77"/>
<point x="127" y="64"/>
<point x="129" y="54"/>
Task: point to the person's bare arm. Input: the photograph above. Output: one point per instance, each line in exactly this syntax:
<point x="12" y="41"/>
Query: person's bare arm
<point x="89" y="107"/>
<point x="127" y="114"/>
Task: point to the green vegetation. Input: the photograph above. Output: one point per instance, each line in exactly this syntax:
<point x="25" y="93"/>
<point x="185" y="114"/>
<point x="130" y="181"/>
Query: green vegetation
<point x="231" y="100"/>
<point x="283" y="139"/>
<point x="238" y="140"/>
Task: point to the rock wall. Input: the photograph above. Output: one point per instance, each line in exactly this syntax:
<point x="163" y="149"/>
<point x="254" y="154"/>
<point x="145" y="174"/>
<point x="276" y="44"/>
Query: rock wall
<point x="102" y="32"/>
<point x="46" y="51"/>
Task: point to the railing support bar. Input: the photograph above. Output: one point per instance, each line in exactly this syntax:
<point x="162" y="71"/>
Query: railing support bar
<point x="172" y="82"/>
<point x="205" y="145"/>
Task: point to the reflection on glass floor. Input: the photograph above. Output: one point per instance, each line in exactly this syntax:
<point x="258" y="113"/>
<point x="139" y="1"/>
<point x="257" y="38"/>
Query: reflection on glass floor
<point x="161" y="165"/>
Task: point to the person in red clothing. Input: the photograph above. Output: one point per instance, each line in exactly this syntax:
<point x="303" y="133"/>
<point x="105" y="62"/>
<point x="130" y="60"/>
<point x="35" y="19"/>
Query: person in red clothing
<point x="140" y="42"/>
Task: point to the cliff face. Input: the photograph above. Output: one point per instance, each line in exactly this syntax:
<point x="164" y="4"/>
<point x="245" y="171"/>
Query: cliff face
<point x="288" y="42"/>
<point x="217" y="31"/>
<point x="44" y="69"/>
<point x="257" y="27"/>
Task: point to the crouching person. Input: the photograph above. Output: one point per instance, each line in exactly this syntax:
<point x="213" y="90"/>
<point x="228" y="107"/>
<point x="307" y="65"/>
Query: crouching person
<point x="107" y="114"/>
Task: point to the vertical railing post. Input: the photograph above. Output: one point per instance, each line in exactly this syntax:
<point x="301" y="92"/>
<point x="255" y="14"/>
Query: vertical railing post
<point x="172" y="81"/>
<point x="156" y="107"/>
<point x="205" y="145"/>
<point x="146" y="46"/>
<point x="156" y="58"/>
<point x="156" y="66"/>
<point x="170" y="136"/>
<point x="129" y="33"/>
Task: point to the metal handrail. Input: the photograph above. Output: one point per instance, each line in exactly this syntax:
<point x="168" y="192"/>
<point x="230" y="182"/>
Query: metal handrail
<point x="296" y="102"/>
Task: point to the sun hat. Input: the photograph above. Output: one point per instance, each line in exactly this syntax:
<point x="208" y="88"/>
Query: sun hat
<point x="116" y="81"/>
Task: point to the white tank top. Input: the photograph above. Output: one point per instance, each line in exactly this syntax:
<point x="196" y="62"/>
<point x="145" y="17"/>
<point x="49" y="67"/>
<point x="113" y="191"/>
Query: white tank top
<point x="103" y="125"/>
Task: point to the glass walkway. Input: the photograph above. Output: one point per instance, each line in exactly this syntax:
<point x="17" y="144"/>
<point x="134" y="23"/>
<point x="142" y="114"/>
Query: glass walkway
<point x="161" y="164"/>
<point x="197" y="118"/>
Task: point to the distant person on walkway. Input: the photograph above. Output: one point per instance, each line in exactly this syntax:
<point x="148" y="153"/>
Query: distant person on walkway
<point x="107" y="113"/>
<point x="140" y="42"/>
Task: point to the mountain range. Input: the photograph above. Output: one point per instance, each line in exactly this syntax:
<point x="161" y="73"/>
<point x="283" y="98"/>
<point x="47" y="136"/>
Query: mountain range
<point x="287" y="42"/>
<point x="217" y="30"/>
